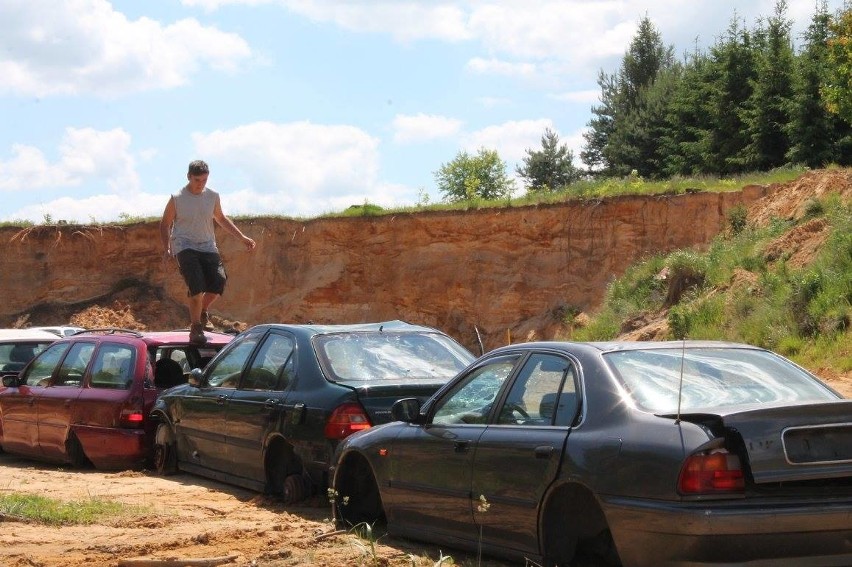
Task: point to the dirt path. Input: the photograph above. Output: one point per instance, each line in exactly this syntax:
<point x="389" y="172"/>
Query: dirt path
<point x="186" y="517"/>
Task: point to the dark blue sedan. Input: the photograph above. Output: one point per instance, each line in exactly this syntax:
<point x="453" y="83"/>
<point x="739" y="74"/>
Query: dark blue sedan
<point x="634" y="454"/>
<point x="268" y="411"/>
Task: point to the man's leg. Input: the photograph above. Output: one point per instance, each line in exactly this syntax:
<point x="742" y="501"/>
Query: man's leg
<point x="196" y="306"/>
<point x="209" y="297"/>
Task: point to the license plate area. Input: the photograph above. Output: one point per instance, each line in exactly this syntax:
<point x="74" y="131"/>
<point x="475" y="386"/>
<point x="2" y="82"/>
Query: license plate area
<point x="818" y="444"/>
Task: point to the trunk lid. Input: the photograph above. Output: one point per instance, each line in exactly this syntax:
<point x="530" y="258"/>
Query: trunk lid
<point x="378" y="399"/>
<point x="792" y="442"/>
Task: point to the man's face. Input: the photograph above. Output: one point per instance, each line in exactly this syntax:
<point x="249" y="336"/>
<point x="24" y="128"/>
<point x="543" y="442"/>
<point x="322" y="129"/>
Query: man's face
<point x="197" y="183"/>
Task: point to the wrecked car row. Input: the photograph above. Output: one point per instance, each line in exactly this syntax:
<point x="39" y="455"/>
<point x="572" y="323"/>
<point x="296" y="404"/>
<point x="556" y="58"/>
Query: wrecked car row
<point x="637" y="453"/>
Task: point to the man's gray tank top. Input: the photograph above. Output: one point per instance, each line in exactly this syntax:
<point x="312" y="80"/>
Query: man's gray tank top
<point x="193" y="226"/>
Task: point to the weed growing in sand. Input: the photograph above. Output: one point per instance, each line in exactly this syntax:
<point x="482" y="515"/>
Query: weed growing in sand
<point x="56" y="512"/>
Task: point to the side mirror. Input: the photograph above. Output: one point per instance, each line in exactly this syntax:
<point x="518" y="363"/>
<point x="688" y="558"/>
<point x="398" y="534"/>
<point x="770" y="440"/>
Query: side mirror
<point x="196" y="377"/>
<point x="406" y="409"/>
<point x="10" y="380"/>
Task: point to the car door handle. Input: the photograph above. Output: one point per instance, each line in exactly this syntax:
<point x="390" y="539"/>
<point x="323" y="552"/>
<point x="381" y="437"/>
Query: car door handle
<point x="543" y="452"/>
<point x="221" y="400"/>
<point x="272" y="403"/>
<point x="461" y="446"/>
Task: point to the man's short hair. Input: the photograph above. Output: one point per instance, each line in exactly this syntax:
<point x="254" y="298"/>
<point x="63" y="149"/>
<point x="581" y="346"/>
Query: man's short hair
<point x="198" y="167"/>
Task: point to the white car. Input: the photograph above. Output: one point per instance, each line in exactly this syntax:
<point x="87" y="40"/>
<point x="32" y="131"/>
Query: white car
<point x="19" y="346"/>
<point x="62" y="331"/>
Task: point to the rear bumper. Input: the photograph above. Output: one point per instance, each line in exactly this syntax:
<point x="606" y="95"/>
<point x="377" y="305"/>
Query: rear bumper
<point x="736" y="532"/>
<point x="114" y="448"/>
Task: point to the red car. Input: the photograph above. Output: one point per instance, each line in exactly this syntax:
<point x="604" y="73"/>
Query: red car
<point x="85" y="399"/>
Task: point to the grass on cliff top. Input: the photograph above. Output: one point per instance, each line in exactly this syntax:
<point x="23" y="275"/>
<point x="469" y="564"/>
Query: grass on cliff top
<point x="584" y="189"/>
<point x="742" y="290"/>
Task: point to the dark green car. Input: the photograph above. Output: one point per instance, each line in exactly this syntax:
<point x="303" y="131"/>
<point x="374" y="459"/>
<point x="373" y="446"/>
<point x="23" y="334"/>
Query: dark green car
<point x="269" y="410"/>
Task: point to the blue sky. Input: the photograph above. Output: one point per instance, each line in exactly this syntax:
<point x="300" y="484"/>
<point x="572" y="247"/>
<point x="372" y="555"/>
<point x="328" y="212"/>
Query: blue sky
<point x="302" y="107"/>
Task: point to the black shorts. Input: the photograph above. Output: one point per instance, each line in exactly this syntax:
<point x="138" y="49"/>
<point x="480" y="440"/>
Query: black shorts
<point x="202" y="271"/>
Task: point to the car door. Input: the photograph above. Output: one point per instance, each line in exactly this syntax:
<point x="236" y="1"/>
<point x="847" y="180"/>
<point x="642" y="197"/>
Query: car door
<point x="18" y="410"/>
<point x="431" y="479"/>
<point x="257" y="407"/>
<point x="56" y="402"/>
<point x="200" y="413"/>
<point x="519" y="454"/>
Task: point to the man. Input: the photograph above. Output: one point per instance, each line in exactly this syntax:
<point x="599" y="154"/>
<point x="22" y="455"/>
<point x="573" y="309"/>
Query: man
<point x="186" y="232"/>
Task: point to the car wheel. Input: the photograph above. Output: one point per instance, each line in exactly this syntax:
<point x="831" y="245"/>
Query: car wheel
<point x="284" y="477"/>
<point x="165" y="454"/>
<point x="358" y="500"/>
<point x="598" y="550"/>
<point x="76" y="455"/>
<point x="575" y="531"/>
<point x="296" y="488"/>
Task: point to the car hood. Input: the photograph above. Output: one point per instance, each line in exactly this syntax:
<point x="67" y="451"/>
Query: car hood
<point x="791" y="442"/>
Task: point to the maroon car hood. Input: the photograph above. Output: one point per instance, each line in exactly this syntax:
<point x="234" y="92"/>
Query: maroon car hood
<point x="791" y="443"/>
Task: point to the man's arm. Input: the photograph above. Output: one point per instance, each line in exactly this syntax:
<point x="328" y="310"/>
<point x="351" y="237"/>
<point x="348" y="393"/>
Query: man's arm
<point x="229" y="225"/>
<point x="166" y="226"/>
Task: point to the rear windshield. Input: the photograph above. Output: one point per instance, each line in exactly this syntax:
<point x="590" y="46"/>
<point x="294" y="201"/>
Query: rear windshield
<point x="711" y="378"/>
<point x="377" y="356"/>
<point x="14" y="356"/>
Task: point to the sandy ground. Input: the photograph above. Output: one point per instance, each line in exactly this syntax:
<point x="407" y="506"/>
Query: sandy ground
<point x="184" y="517"/>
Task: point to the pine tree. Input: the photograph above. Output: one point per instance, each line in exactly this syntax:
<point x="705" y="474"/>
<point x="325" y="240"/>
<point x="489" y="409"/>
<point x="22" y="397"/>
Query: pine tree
<point x="768" y="108"/>
<point x="550" y="168"/>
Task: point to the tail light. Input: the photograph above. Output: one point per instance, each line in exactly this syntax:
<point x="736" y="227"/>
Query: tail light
<point x="719" y="472"/>
<point x="345" y="420"/>
<point x="132" y="415"/>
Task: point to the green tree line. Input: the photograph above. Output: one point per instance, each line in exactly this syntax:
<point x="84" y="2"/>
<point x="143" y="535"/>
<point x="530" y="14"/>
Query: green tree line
<point x="753" y="101"/>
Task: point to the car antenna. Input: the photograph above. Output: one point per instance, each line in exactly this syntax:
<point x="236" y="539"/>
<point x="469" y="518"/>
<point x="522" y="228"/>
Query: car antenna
<point x="680" y="386"/>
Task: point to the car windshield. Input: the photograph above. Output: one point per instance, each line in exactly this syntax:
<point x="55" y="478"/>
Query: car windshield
<point x="712" y="378"/>
<point x="377" y="356"/>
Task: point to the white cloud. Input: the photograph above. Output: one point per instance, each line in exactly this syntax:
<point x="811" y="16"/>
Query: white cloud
<point x="85" y="46"/>
<point x="85" y="154"/>
<point x="531" y="37"/>
<point x="510" y="139"/>
<point x="94" y="209"/>
<point x="500" y="67"/>
<point x="405" y="20"/>
<point x="422" y="127"/>
<point x="291" y="166"/>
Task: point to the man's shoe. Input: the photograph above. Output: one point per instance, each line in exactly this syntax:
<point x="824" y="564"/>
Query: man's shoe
<point x="205" y="322"/>
<point x="196" y="334"/>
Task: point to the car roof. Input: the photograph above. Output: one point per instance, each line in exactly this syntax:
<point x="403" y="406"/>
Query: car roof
<point x="156" y="338"/>
<point x="612" y="346"/>
<point x="26" y="334"/>
<point x="311" y="329"/>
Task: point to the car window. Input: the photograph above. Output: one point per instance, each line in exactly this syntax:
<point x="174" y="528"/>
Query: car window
<point x="40" y="371"/>
<point x="543" y="388"/>
<point x="14" y="356"/>
<point x="377" y="356"/>
<point x="225" y="371"/>
<point x="471" y="399"/>
<point x="666" y="380"/>
<point x="271" y="369"/>
<point x="73" y="368"/>
<point x="113" y="367"/>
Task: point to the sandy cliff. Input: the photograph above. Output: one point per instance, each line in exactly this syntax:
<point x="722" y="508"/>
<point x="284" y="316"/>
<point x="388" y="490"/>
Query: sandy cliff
<point x="510" y="272"/>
